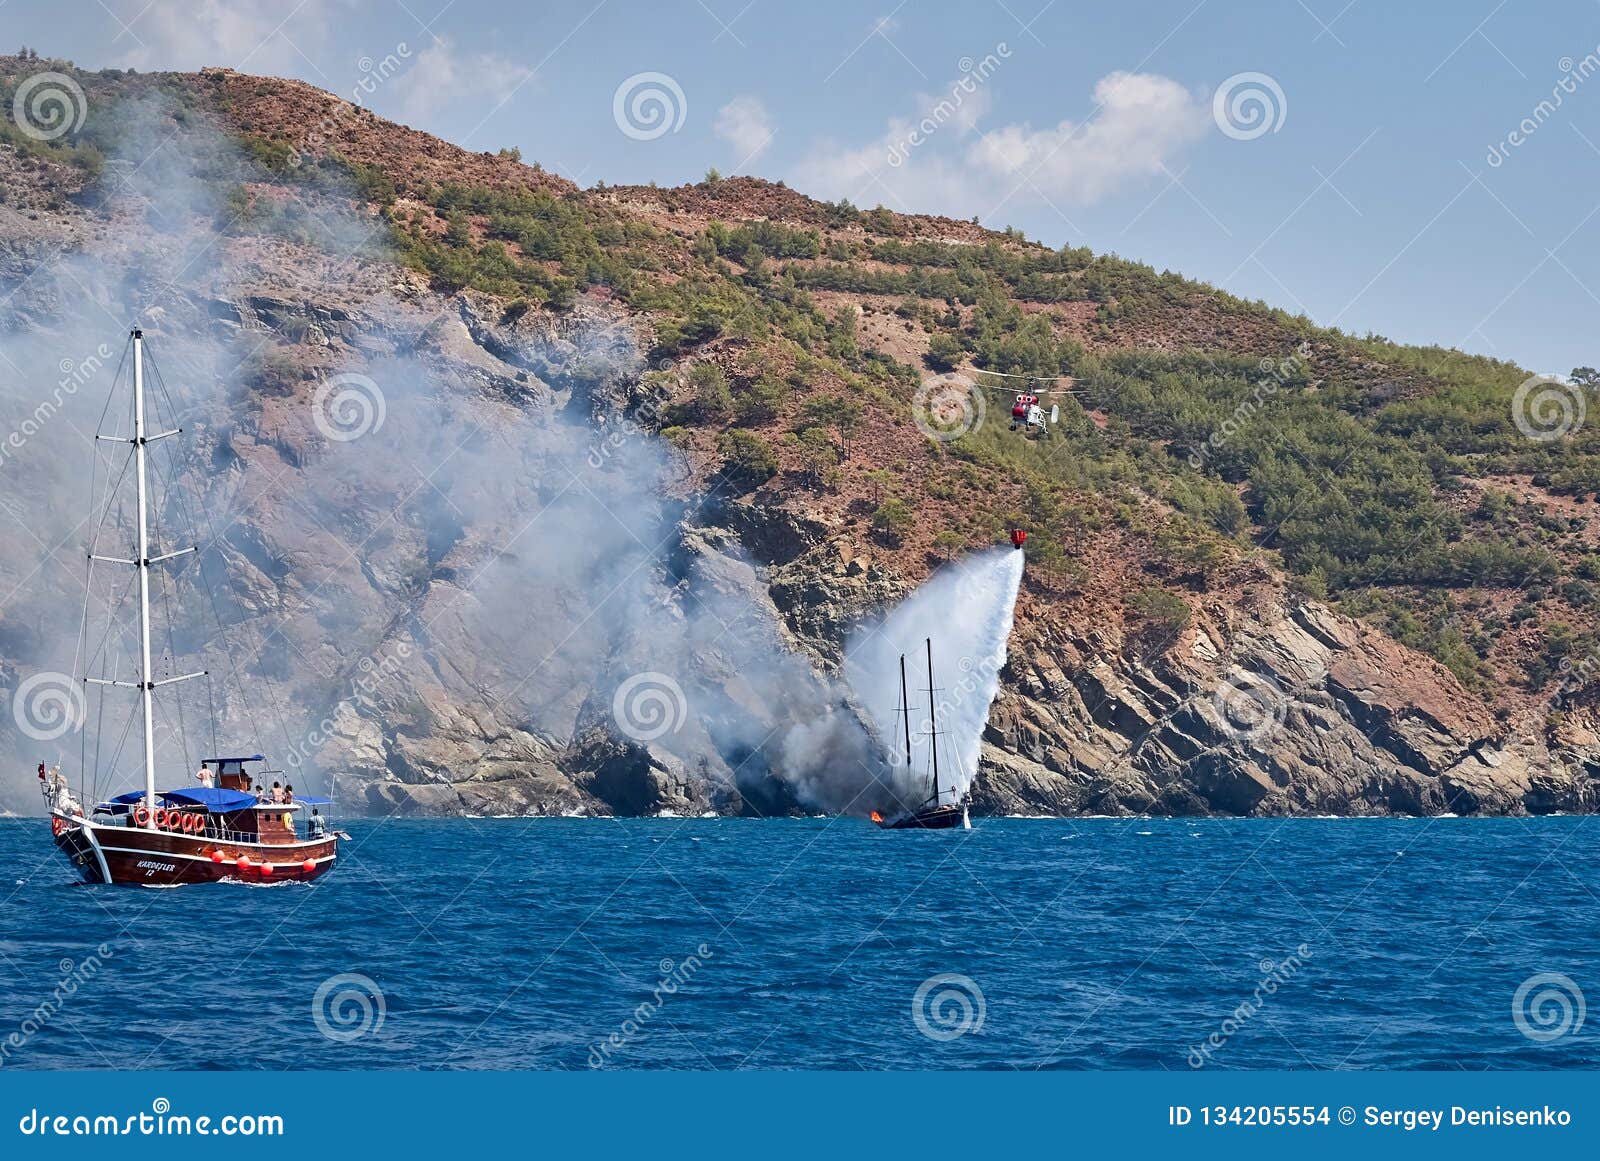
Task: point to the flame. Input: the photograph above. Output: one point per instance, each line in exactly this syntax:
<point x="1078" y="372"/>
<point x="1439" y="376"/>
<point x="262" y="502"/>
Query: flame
<point x="875" y="816"/>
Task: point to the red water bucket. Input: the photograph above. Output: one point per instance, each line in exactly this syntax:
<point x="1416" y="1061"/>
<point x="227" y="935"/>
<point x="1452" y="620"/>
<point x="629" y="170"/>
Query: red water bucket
<point x="1018" y="538"/>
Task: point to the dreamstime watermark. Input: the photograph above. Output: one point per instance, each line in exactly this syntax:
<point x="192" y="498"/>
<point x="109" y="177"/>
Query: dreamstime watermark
<point x="1273" y="976"/>
<point x="674" y="977"/>
<point x="374" y="74"/>
<point x="1251" y="706"/>
<point x="348" y="406"/>
<point x="637" y="423"/>
<point x="1275" y="373"/>
<point x="1249" y="105"/>
<point x="948" y="1006"/>
<point x="160" y="1121"/>
<point x="976" y="680"/>
<point x="48" y="705"/>
<point x="1573" y="74"/>
<point x="649" y="105"/>
<point x="1546" y="408"/>
<point x="1548" y="1006"/>
<point x="73" y="976"/>
<point x="348" y="1006"/>
<point x="74" y="374"/>
<point x="372" y="675"/>
<point x="48" y="106"/>
<point x="649" y="706"/>
<point x="973" y="76"/>
<point x="947" y="407"/>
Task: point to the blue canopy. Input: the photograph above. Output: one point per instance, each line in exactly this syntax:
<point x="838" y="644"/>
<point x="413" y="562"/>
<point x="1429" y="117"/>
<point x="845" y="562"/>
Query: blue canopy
<point x="215" y="799"/>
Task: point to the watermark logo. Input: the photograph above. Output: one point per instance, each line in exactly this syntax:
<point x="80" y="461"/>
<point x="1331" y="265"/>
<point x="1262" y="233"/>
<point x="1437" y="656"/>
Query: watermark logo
<point x="374" y="74"/>
<point x="1249" y="105"/>
<point x="1250" y="705"/>
<point x="1573" y="74"/>
<point x="616" y="432"/>
<point x="974" y="74"/>
<point x="47" y="706"/>
<point x="49" y="105"/>
<point x="374" y="675"/>
<point x="348" y="406"/>
<point x="74" y="375"/>
<point x="947" y="407"/>
<point x="348" y="1006"/>
<point x="1548" y="1006"/>
<point x="1275" y="374"/>
<point x="1274" y="975"/>
<point x="674" y="978"/>
<point x="1546" y="409"/>
<point x="649" y="706"/>
<point x="649" y="105"/>
<point x="74" y="976"/>
<point x="947" y="1006"/>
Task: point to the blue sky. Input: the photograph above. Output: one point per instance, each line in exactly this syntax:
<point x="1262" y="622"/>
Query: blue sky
<point x="1370" y="203"/>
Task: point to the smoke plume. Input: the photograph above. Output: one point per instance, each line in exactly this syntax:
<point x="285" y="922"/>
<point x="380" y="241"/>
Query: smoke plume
<point x="432" y="544"/>
<point x="965" y="611"/>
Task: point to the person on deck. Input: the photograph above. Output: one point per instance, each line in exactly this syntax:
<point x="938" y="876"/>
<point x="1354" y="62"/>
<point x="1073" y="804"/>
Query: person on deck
<point x="288" y="792"/>
<point x="316" y="825"/>
<point x="277" y="792"/>
<point x="204" y="776"/>
<point x="64" y="800"/>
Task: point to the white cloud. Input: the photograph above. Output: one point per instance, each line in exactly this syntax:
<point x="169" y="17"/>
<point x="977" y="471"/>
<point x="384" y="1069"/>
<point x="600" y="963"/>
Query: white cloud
<point x="969" y="107"/>
<point x="445" y="78"/>
<point x="248" y="35"/>
<point x="937" y="165"/>
<point x="1143" y="120"/>
<point x="745" y="124"/>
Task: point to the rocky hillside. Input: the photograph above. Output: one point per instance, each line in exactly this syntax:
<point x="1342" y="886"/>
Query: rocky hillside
<point x="704" y="433"/>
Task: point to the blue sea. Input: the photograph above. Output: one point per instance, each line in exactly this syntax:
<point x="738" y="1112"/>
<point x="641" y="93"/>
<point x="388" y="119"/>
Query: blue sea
<point x="733" y="944"/>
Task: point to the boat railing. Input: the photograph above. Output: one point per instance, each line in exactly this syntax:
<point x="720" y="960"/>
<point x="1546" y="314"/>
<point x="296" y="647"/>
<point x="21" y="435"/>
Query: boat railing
<point x="224" y="834"/>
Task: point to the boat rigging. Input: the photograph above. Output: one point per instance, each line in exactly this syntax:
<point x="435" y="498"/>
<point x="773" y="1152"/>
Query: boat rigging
<point x="228" y="826"/>
<point x="935" y="812"/>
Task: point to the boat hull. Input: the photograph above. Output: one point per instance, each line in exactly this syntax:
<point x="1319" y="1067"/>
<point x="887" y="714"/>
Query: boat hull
<point x="946" y="817"/>
<point x="135" y="856"/>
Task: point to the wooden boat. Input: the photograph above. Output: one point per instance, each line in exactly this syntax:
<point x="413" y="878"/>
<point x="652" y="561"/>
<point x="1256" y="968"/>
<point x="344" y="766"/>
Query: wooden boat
<point x="224" y="827"/>
<point x="197" y="835"/>
<point x="936" y="812"/>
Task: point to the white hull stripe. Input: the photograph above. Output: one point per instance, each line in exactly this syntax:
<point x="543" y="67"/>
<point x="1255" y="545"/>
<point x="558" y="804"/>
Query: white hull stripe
<point x="149" y="854"/>
<point x="100" y="857"/>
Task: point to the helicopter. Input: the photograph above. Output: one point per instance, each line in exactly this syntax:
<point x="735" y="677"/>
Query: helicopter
<point x="1027" y="411"/>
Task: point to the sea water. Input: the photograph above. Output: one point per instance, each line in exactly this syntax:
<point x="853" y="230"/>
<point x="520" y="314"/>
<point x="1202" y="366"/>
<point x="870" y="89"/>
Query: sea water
<point x="827" y="943"/>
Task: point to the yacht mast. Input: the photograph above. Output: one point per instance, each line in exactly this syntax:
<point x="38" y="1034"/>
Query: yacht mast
<point x="933" y="724"/>
<point x="146" y="676"/>
<point x="142" y="561"/>
<point x="905" y="708"/>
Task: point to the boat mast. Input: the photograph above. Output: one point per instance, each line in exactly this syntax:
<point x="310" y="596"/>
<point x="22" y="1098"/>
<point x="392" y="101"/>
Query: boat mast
<point x="146" y="685"/>
<point x="905" y="708"/>
<point x="142" y="559"/>
<point x="933" y="724"/>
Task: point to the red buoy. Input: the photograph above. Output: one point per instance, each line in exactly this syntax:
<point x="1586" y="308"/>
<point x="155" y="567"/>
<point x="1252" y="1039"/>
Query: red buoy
<point x="1018" y="538"/>
<point x="216" y="856"/>
<point x="243" y="864"/>
<point x="309" y="865"/>
<point x="266" y="868"/>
